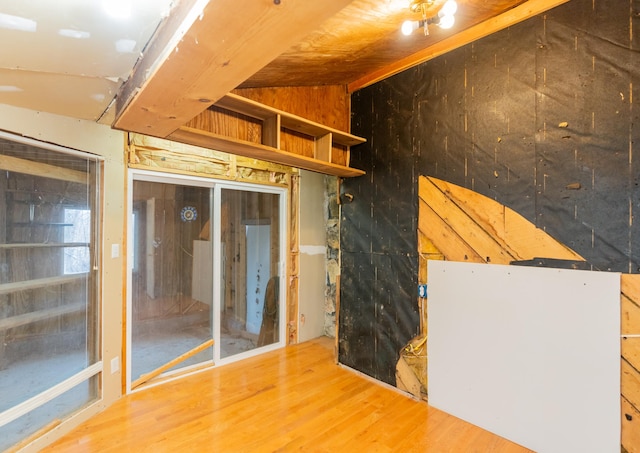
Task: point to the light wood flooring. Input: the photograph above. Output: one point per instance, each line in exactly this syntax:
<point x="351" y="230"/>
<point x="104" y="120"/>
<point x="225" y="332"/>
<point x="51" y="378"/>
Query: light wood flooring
<point x="293" y="399"/>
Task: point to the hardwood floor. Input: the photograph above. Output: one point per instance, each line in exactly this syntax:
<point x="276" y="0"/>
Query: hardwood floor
<point x="293" y="399"/>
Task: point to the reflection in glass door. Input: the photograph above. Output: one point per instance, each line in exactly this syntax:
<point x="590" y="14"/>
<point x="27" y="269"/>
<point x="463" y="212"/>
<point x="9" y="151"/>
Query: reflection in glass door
<point x="250" y="240"/>
<point x="204" y="273"/>
<point x="170" y="309"/>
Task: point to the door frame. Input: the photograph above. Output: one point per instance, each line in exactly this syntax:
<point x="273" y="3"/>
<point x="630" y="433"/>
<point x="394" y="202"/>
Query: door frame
<point x="216" y="185"/>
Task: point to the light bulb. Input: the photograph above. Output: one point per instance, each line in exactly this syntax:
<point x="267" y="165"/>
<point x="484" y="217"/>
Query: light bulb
<point x="449" y="8"/>
<point x="408" y="26"/>
<point x="447" y="21"/>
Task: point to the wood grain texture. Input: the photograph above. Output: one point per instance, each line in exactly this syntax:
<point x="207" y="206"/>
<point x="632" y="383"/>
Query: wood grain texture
<point x="465" y="226"/>
<point x="30" y="167"/>
<point x="246" y="126"/>
<point x="470" y="31"/>
<point x="292" y="399"/>
<point x="362" y="38"/>
<point x="329" y="105"/>
<point x="219" y="48"/>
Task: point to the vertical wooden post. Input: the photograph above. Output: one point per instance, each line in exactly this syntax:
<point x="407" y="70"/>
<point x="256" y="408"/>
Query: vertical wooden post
<point x="294" y="258"/>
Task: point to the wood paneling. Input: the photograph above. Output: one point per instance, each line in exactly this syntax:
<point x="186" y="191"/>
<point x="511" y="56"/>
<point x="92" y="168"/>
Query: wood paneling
<point x="217" y="49"/>
<point x="326" y="104"/>
<point x="292" y="399"/>
<point x="465" y="35"/>
<point x="285" y="134"/>
<point x="364" y="38"/>
<point x="466" y="226"/>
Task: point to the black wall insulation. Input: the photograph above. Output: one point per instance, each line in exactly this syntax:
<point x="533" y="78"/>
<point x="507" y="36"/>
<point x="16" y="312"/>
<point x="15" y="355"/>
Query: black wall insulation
<point x="539" y="117"/>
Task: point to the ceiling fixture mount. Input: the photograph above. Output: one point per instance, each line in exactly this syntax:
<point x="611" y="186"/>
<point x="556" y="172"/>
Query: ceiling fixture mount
<point x="433" y="12"/>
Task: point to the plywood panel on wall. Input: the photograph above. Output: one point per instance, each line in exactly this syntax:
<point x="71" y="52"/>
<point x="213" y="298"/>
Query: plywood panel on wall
<point x="454" y="233"/>
<point x="539" y="117"/>
<point x="328" y="105"/>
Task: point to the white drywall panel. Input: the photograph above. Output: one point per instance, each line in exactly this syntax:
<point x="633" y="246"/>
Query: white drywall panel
<point x="530" y="354"/>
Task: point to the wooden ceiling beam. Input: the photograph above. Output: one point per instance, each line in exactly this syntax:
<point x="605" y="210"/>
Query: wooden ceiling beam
<point x="206" y="49"/>
<point x="508" y="18"/>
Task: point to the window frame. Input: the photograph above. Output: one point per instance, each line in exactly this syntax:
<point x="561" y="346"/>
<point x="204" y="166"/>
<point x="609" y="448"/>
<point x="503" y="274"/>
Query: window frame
<point x="93" y="302"/>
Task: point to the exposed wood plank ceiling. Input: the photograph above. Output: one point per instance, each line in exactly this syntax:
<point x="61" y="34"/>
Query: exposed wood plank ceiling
<point x="225" y="42"/>
<point x="362" y="38"/>
<point x="249" y="43"/>
<point x="205" y="48"/>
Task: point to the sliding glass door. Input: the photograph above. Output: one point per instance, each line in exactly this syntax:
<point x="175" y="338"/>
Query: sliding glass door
<point x="250" y="240"/>
<point x="169" y="315"/>
<point x="204" y="271"/>
<point x="50" y="362"/>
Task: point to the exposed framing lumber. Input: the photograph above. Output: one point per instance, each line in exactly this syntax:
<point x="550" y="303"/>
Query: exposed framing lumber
<point x="231" y="40"/>
<point x="443" y="208"/>
<point x="6" y="288"/>
<point x="495" y="24"/>
<point x="24" y="245"/>
<point x="148" y="376"/>
<point x="30" y="167"/>
<point x="210" y="140"/>
<point x="40" y="315"/>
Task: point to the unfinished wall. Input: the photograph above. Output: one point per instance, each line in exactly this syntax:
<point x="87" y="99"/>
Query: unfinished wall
<point x="539" y="117"/>
<point x="101" y="140"/>
<point x="331" y="291"/>
<point x="328" y="105"/>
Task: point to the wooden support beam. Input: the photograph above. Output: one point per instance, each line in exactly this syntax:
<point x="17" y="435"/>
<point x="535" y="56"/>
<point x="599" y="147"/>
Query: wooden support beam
<point x="6" y="288"/>
<point x="40" y="315"/>
<point x="30" y="167"/>
<point x="508" y="18"/>
<point x="147" y="377"/>
<point x="217" y="46"/>
<point x="27" y="245"/>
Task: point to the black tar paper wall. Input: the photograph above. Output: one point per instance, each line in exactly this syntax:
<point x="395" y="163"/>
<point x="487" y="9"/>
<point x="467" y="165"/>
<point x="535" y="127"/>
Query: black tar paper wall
<point x="540" y="117"/>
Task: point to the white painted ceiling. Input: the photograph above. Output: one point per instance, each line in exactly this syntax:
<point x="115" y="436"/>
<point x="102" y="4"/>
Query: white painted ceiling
<point x="70" y="57"/>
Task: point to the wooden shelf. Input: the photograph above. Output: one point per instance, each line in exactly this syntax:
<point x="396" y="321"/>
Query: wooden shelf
<point x="6" y="288"/>
<point x="24" y="245"/>
<point x="273" y="122"/>
<point x="40" y="315"/>
<point x="206" y="139"/>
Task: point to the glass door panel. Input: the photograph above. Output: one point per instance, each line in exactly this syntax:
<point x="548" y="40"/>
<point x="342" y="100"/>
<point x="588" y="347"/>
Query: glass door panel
<point x="204" y="273"/>
<point x="171" y="290"/>
<point x="250" y="255"/>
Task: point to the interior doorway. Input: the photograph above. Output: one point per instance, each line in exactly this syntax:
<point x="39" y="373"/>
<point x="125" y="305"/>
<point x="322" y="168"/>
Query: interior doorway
<point x="204" y="273"/>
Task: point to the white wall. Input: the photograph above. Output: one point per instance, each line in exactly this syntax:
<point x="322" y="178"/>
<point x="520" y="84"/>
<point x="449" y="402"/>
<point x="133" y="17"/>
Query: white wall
<point x="313" y="241"/>
<point x="101" y="140"/>
<point x="531" y="354"/>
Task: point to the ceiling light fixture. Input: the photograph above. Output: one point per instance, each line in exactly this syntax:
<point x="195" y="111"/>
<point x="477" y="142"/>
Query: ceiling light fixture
<point x="433" y="12"/>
